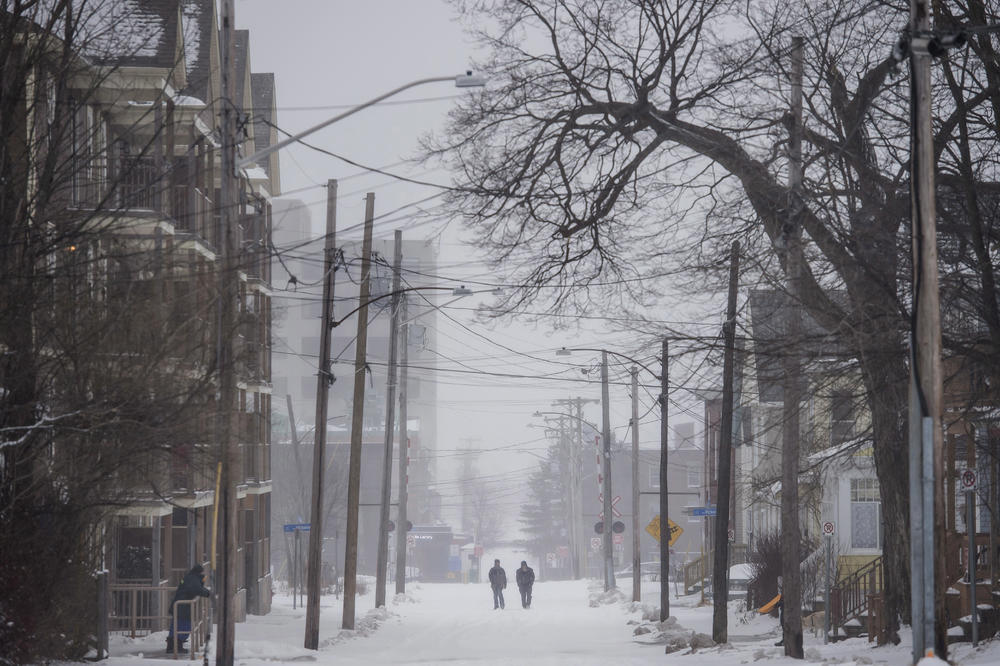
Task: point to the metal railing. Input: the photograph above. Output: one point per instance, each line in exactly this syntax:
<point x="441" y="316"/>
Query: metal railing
<point x="198" y="608"/>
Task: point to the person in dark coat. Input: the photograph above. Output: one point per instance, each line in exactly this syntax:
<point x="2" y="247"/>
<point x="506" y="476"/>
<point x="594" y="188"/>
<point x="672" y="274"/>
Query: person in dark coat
<point x="525" y="579"/>
<point x="190" y="588"/>
<point x="498" y="581"/>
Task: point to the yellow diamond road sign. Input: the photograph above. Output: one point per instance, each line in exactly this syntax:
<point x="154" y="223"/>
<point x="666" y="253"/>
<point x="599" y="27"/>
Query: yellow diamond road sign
<point x="654" y="530"/>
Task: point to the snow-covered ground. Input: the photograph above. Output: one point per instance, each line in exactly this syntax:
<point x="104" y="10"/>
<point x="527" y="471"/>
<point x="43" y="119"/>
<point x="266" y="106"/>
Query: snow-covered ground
<point x="455" y="624"/>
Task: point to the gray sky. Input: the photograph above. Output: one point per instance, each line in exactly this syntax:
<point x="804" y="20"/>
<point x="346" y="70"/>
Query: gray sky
<point x="336" y="54"/>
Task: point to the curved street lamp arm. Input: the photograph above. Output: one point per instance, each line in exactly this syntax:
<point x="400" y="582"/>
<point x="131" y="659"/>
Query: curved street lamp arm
<point x="315" y="128"/>
<point x="337" y="322"/>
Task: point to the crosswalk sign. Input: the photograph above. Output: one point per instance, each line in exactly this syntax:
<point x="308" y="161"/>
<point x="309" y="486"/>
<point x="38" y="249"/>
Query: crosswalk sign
<point x="654" y="530"/>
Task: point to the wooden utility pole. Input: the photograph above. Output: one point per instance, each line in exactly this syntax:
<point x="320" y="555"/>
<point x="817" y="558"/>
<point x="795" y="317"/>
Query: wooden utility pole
<point x="382" y="565"/>
<point x="404" y="457"/>
<point x="636" y="559"/>
<point x="720" y="572"/>
<point x="324" y="378"/>
<point x="609" y="570"/>
<point x="664" y="491"/>
<point x="357" y="421"/>
<point x="927" y="535"/>
<point x="580" y="548"/>
<point x="226" y="579"/>
<point x="792" y="390"/>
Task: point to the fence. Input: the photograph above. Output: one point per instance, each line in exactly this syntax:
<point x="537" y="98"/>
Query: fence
<point x="138" y="610"/>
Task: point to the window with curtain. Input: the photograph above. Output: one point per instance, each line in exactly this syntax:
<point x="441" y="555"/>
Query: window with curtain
<point x="866" y="514"/>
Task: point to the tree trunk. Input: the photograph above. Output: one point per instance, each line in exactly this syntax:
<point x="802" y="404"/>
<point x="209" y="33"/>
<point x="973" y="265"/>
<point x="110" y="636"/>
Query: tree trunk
<point x="885" y="385"/>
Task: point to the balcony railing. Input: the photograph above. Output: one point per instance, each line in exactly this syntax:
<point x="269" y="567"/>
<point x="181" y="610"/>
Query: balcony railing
<point x="138" y="183"/>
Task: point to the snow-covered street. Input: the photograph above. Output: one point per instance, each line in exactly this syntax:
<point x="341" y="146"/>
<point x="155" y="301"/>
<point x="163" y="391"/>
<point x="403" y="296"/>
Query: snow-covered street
<point x="456" y="624"/>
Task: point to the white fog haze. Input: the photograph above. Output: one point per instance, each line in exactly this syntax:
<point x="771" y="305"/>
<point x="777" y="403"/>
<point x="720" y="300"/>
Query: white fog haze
<point x="468" y="332"/>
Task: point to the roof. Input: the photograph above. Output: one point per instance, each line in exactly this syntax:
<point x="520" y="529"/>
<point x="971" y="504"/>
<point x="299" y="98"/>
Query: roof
<point x="134" y="33"/>
<point x="197" y="17"/>
<point x="262" y="99"/>
<point x="241" y="46"/>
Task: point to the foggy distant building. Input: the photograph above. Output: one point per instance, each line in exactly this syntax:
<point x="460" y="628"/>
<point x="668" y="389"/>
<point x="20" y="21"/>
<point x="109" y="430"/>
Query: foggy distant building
<point x="298" y="309"/>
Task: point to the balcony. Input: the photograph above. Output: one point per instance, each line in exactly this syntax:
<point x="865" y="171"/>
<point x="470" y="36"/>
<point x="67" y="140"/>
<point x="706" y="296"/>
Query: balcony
<point x="193" y="213"/>
<point x="138" y="183"/>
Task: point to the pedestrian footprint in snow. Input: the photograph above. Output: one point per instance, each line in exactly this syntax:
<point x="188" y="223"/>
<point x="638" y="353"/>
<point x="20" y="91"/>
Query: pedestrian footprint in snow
<point x="525" y="579"/>
<point x="498" y="581"/>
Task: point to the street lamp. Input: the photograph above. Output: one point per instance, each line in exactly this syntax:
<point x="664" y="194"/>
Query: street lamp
<point x="575" y="495"/>
<point x="466" y="80"/>
<point x="664" y="531"/>
<point x="382" y="564"/>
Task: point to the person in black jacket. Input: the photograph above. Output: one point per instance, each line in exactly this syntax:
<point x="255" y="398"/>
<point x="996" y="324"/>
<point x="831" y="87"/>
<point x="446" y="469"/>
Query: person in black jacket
<point x="525" y="579"/>
<point x="498" y="581"/>
<point x="190" y="588"/>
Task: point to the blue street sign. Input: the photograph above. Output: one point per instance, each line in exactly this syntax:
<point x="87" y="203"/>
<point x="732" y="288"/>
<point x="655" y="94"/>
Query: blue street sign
<point x="302" y="527"/>
<point x="703" y="511"/>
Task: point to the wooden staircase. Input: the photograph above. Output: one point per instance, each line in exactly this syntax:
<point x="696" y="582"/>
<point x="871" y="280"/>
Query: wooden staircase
<point x="857" y="604"/>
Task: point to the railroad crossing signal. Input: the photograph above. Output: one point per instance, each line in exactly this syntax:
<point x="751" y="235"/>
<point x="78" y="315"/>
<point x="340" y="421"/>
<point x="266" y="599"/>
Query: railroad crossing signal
<point x="654" y="530"/>
<point x="614" y="500"/>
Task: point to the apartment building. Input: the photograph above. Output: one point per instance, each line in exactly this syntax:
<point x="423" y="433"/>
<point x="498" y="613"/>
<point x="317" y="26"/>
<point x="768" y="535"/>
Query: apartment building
<point x="133" y="272"/>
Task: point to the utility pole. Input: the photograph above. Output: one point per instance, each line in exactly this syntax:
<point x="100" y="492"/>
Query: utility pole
<point x="636" y="559"/>
<point x="720" y="574"/>
<point x="792" y="391"/>
<point x="382" y="565"/>
<point x="324" y="378"/>
<point x="580" y="552"/>
<point x="578" y="546"/>
<point x="226" y="580"/>
<point x="404" y="458"/>
<point x="927" y="536"/>
<point x="357" y="421"/>
<point x="609" y="562"/>
<point x="664" y="491"/>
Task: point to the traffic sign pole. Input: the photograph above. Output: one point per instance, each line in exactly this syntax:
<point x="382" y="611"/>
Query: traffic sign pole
<point x="969" y="484"/>
<point x="829" y="529"/>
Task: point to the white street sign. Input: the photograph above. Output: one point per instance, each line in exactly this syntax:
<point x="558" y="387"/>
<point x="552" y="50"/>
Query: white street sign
<point x="829" y="528"/>
<point x="969" y="479"/>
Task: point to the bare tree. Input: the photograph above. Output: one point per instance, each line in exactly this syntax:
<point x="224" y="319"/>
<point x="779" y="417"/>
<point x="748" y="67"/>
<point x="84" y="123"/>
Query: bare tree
<point x="625" y="140"/>
<point x="106" y="364"/>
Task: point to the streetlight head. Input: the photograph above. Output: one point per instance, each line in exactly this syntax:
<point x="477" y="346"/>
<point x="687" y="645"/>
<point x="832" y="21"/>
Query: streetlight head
<point x="461" y="291"/>
<point x="562" y="351"/>
<point x="469" y="80"/>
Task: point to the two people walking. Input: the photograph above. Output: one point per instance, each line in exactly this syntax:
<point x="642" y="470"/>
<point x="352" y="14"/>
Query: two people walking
<point x="498" y="582"/>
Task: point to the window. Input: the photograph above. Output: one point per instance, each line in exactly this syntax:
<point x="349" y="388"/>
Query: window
<point x="866" y="514"/>
<point x="694" y="477"/>
<point x="841" y="417"/>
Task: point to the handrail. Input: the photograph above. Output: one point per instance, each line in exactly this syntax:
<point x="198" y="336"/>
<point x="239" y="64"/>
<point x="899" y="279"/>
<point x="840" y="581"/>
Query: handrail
<point x="849" y="599"/>
<point x="198" y="612"/>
